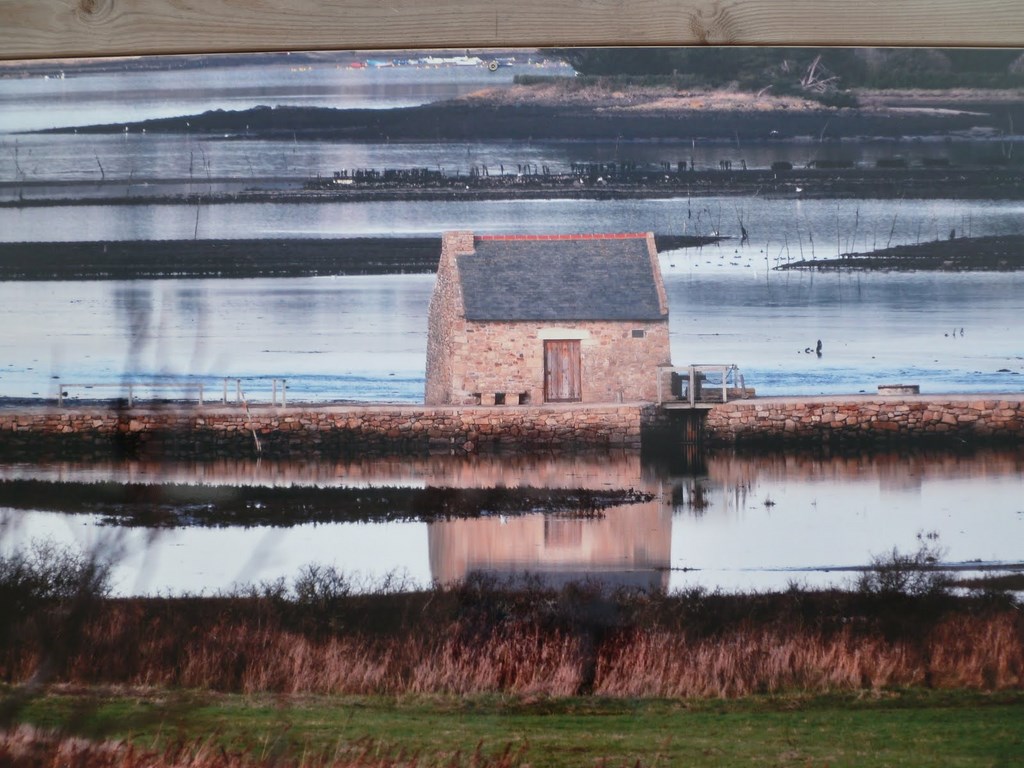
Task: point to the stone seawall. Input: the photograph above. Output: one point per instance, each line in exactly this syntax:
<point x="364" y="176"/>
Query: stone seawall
<point x="178" y="431"/>
<point x="867" y="420"/>
<point x="182" y="431"/>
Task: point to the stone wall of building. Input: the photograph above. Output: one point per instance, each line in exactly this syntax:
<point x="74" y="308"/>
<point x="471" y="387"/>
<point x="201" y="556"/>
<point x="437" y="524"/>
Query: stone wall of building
<point x="618" y="361"/>
<point x="867" y="420"/>
<point x="328" y="430"/>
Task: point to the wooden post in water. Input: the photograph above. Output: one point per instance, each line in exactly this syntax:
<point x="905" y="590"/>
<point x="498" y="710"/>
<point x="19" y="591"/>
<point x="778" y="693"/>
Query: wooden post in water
<point x="692" y="427"/>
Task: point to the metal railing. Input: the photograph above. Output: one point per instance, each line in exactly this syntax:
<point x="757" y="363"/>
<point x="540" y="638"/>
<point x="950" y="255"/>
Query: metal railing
<point x="693" y="384"/>
<point x="188" y="389"/>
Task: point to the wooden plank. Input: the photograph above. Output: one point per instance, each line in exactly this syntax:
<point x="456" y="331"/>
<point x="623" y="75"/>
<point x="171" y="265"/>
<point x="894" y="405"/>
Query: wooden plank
<point x="85" y="28"/>
<point x="554" y="365"/>
<point x="575" y="373"/>
<point x="563" y="380"/>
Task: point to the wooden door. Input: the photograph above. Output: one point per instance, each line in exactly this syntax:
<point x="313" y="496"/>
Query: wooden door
<point x="562" y="374"/>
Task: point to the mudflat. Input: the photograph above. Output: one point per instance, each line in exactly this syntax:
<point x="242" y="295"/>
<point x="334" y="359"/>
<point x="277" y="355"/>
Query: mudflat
<point x="997" y="253"/>
<point x="297" y="257"/>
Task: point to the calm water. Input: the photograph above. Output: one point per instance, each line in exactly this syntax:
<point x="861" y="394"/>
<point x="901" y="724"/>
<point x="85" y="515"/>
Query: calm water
<point x="779" y="229"/>
<point x="363" y="338"/>
<point x="734" y="524"/>
<point x="32" y="102"/>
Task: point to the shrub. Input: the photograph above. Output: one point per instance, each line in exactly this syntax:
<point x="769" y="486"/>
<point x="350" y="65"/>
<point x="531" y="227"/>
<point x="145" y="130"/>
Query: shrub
<point x="47" y="572"/>
<point x="318" y="586"/>
<point x="912" y="575"/>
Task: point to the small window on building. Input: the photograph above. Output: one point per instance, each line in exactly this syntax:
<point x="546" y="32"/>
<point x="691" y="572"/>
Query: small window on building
<point x="639" y="333"/>
<point x="499" y="398"/>
<point x="524" y="398"/>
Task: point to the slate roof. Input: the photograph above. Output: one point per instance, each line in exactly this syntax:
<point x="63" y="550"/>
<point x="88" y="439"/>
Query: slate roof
<point x="585" y="278"/>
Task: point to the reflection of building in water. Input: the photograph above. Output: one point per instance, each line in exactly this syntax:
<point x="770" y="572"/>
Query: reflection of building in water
<point x="629" y="547"/>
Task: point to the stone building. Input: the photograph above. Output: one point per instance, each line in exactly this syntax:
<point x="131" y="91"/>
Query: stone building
<point x="517" y="319"/>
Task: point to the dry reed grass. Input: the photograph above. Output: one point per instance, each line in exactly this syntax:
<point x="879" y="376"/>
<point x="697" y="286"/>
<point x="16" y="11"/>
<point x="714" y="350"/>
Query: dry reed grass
<point x="768" y="661"/>
<point x="464" y="644"/>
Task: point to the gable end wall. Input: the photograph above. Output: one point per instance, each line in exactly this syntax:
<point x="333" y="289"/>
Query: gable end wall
<point x="444" y="319"/>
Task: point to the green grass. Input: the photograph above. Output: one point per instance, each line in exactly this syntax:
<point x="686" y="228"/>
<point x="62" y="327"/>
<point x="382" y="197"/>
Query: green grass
<point x="917" y="728"/>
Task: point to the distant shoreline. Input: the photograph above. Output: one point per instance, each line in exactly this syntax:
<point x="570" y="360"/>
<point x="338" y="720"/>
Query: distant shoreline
<point x="559" y="110"/>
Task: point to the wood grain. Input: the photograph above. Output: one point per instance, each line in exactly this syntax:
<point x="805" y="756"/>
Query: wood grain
<point x="85" y="28"/>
